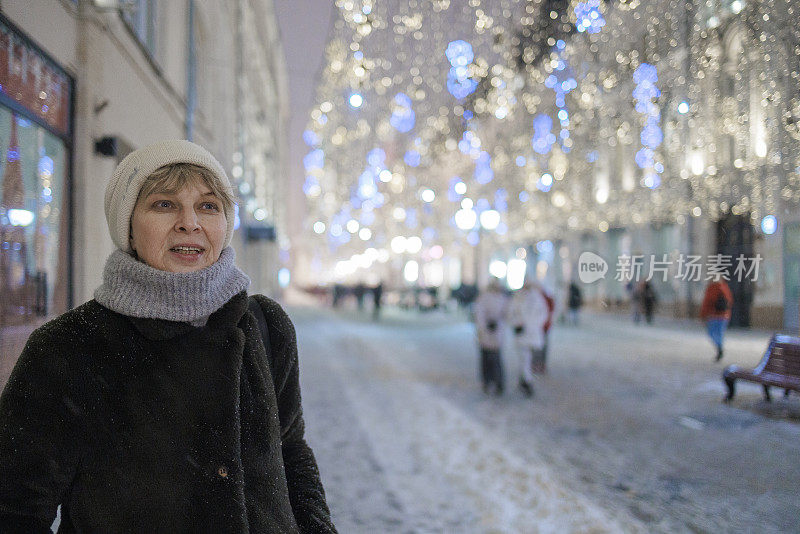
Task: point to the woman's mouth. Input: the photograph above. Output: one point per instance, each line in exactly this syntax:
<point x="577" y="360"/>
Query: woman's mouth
<point x="188" y="251"/>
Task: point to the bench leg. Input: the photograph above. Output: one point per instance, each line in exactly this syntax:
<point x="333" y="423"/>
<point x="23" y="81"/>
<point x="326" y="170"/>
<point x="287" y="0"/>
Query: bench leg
<point x="767" y="396"/>
<point x="731" y="383"/>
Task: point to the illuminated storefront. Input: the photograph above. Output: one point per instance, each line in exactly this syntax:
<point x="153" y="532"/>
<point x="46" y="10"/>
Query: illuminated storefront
<point x="35" y="139"/>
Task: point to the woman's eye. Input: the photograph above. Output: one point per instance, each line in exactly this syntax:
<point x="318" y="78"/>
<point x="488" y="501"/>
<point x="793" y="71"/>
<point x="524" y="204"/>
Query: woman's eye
<point x="163" y="204"/>
<point x="210" y="206"/>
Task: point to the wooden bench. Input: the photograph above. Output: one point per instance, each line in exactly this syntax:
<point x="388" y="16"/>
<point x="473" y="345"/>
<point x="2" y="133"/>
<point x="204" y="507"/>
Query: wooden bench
<point x="779" y="367"/>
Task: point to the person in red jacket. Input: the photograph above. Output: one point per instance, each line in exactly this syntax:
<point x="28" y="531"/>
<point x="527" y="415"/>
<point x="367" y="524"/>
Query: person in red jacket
<point x="716" y="311"/>
<point x="539" y="364"/>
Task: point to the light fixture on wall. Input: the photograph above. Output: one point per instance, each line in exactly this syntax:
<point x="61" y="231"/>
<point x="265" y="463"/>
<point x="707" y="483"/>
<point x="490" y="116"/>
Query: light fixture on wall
<point x="106" y="146"/>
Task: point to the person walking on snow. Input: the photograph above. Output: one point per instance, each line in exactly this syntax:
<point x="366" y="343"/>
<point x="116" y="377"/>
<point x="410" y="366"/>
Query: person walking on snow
<point x="490" y="314"/>
<point x="539" y="363"/>
<point x="377" y="296"/>
<point x="716" y="312"/>
<point x="574" y="302"/>
<point x="649" y="301"/>
<point x="528" y="314"/>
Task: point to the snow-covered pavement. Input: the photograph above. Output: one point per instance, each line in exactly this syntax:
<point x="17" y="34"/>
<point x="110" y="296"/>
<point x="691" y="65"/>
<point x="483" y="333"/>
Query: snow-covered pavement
<point x="626" y="433"/>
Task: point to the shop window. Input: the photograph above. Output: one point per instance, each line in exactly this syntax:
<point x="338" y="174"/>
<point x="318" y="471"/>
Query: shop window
<point x="35" y="130"/>
<point x="33" y="215"/>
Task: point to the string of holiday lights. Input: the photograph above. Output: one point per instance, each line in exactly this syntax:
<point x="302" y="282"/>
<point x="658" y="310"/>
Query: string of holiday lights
<point x="543" y="117"/>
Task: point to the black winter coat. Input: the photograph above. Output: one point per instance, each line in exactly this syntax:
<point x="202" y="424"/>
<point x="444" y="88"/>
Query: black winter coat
<point x="152" y="426"/>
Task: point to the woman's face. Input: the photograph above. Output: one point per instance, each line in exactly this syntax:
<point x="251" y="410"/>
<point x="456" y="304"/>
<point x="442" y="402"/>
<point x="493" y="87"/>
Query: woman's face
<point x="179" y="232"/>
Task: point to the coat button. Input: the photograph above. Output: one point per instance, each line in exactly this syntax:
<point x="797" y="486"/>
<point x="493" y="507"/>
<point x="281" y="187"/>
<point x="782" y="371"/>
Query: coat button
<point x="222" y="471"/>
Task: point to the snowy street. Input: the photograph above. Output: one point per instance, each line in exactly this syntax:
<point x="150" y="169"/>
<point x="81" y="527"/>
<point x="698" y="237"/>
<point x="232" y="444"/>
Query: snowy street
<point x="626" y="433"/>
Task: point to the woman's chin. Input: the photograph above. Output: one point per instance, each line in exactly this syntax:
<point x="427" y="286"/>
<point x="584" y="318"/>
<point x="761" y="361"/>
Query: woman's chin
<point x="176" y="262"/>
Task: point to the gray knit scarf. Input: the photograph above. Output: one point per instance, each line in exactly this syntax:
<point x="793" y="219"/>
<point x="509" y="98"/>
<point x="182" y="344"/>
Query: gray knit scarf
<point x="133" y="288"/>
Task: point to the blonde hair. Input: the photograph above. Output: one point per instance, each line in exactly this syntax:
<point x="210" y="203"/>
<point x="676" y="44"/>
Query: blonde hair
<point x="173" y="177"/>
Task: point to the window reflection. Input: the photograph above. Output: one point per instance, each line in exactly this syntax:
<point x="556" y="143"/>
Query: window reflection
<point x="33" y="238"/>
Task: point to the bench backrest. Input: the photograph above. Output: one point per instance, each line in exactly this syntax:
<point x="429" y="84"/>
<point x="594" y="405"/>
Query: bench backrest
<point x="782" y="356"/>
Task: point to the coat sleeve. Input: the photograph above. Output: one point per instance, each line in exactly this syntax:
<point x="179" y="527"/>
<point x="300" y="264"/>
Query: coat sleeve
<point x="479" y="312"/>
<point x="40" y="429"/>
<point x="515" y="313"/>
<point x="306" y="493"/>
<point x="541" y="310"/>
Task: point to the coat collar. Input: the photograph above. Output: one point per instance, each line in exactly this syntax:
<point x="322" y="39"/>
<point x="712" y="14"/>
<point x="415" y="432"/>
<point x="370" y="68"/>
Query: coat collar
<point x="228" y="315"/>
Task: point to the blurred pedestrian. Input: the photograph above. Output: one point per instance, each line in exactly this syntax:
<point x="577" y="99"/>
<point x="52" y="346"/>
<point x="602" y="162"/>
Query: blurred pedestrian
<point x="433" y="293"/>
<point x="643" y="301"/>
<point x="574" y="303"/>
<point x="465" y="295"/>
<point x="634" y="290"/>
<point x="527" y="316"/>
<point x="377" y="296"/>
<point x="170" y="402"/>
<point x="716" y="312"/>
<point x="539" y="363"/>
<point x="359" y="290"/>
<point x="649" y="301"/>
<point x="338" y="293"/>
<point x="490" y="310"/>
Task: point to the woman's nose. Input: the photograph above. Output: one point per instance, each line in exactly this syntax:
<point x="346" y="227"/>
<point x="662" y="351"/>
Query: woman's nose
<point x="188" y="221"/>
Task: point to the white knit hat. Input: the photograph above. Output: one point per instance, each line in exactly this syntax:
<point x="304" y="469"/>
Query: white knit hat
<point x="126" y="182"/>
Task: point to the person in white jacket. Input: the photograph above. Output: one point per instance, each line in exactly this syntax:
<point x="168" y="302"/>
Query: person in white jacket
<point x="527" y="316"/>
<point x="490" y="315"/>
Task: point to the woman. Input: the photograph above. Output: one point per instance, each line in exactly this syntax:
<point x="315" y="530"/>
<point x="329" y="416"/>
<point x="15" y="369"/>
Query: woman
<point x="528" y="314"/>
<point x="490" y="315"/>
<point x="156" y="407"/>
